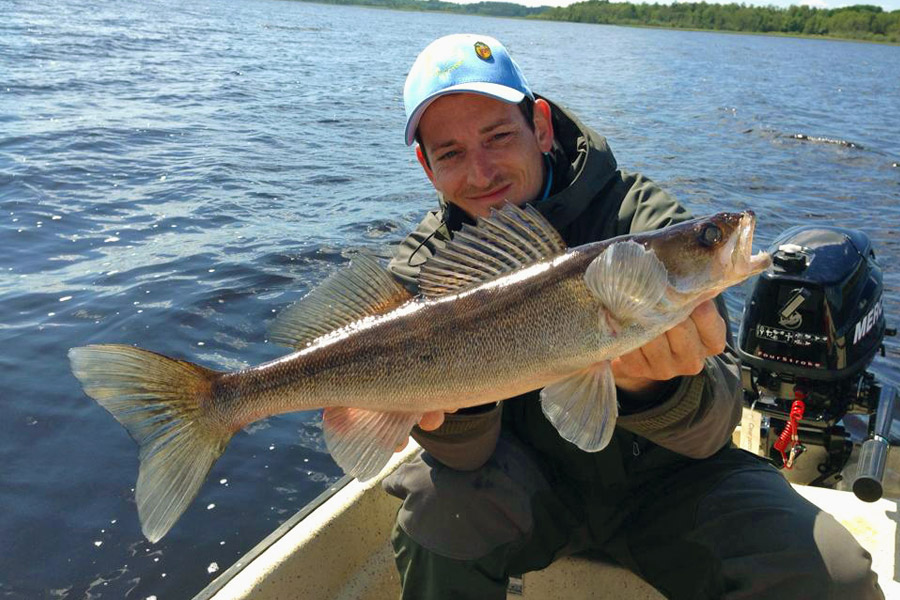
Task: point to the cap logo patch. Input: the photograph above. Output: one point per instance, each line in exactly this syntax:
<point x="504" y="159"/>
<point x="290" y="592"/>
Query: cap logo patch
<point x="483" y="51"/>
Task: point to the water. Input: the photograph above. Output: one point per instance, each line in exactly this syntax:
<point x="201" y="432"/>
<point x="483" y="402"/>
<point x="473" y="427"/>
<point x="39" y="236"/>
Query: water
<point x="172" y="175"/>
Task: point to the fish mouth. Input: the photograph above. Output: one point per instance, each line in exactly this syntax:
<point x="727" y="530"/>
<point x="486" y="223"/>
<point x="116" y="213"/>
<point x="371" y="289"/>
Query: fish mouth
<point x="744" y="263"/>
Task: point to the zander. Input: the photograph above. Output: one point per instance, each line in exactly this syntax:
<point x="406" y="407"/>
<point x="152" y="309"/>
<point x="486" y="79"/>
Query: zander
<point x="504" y="308"/>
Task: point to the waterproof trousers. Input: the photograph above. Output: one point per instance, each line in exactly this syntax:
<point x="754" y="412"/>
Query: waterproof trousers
<point x="729" y="526"/>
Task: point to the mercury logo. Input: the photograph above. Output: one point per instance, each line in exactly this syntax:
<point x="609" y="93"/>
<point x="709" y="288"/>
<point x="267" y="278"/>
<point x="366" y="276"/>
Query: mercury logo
<point x="788" y="315"/>
<point x="866" y="323"/>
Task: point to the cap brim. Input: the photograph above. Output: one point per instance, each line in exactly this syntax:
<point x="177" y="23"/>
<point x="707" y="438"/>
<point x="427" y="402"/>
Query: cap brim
<point x="493" y="90"/>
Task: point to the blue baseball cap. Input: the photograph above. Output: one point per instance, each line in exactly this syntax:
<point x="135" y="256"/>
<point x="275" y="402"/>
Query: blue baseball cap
<point x="457" y="63"/>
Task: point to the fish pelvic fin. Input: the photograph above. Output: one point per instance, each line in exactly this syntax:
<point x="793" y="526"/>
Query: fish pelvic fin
<point x="363" y="289"/>
<point x="628" y="279"/>
<point x="164" y="404"/>
<point x="583" y="407"/>
<point x="362" y="441"/>
<point x="510" y="239"/>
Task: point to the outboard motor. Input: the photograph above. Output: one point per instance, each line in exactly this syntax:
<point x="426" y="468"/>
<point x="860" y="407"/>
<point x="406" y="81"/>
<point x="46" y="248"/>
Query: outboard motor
<point x="811" y="326"/>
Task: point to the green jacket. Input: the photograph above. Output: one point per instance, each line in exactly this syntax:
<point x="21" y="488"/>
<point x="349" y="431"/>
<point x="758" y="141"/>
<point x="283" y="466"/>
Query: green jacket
<point x="590" y="200"/>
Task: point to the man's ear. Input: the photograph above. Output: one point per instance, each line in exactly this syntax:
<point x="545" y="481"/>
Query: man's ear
<point x="543" y="124"/>
<point x="420" y="155"/>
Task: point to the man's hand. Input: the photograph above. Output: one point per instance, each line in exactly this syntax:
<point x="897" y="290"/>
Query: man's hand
<point x="429" y="422"/>
<point x="679" y="351"/>
<point x="432" y="420"/>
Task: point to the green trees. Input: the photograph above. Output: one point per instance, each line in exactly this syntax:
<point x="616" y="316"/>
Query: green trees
<point x="861" y="21"/>
<point x="490" y="8"/>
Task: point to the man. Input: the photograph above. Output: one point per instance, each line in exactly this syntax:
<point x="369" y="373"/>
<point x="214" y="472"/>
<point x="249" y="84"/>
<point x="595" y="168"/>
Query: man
<point x="498" y="491"/>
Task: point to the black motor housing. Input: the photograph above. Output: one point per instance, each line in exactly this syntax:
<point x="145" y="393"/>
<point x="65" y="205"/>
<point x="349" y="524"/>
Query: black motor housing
<point x="817" y="312"/>
<point x="811" y="327"/>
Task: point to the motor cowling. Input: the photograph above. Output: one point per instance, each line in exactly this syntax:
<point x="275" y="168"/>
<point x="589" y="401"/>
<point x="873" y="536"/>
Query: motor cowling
<point x="811" y="327"/>
<point x="817" y="312"/>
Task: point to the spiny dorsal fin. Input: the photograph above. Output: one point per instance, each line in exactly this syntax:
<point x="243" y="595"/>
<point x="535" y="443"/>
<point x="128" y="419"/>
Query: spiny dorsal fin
<point x="363" y="289"/>
<point x="510" y="239"/>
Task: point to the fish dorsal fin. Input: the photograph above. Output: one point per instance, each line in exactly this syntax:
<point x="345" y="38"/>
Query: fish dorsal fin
<point x="510" y="239"/>
<point x="363" y="289"/>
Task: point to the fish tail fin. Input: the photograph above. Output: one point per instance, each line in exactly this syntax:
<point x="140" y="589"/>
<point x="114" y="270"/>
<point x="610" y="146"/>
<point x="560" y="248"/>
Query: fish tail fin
<point x="164" y="404"/>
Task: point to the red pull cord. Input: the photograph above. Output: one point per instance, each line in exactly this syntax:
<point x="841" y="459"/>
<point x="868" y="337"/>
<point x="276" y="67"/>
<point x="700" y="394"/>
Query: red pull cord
<point x="789" y="436"/>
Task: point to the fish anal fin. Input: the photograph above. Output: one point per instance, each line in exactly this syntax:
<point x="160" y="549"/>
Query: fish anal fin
<point x="628" y="279"/>
<point x="511" y="238"/>
<point x="363" y="289"/>
<point x="362" y="441"/>
<point x="583" y="407"/>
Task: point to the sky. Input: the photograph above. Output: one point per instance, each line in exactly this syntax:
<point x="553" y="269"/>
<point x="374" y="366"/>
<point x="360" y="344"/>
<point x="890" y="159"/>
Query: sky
<point x="887" y="5"/>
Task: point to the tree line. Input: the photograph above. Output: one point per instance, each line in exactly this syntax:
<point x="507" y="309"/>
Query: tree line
<point x="492" y="9"/>
<point x="862" y="21"/>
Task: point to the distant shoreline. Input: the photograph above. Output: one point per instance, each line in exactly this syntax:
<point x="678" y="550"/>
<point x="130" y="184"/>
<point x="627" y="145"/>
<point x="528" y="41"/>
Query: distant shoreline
<point x="683" y="16"/>
<point x="800" y="36"/>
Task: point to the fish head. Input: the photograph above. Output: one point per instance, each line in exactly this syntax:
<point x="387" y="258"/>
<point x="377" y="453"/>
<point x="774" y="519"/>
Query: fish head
<point x="705" y="256"/>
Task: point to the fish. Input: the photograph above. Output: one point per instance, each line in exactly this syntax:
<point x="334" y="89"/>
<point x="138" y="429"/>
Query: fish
<point x="503" y="308"/>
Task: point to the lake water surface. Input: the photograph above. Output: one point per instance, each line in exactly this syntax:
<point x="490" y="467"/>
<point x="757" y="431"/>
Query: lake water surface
<point x="171" y="175"/>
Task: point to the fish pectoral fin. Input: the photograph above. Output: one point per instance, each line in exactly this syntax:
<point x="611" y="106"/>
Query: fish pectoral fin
<point x="362" y="441"/>
<point x="583" y="407"/>
<point x="511" y="238"/>
<point x="628" y="279"/>
<point x="363" y="289"/>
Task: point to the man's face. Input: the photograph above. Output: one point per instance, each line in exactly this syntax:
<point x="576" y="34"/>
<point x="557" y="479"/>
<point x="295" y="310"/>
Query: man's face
<point x="482" y="153"/>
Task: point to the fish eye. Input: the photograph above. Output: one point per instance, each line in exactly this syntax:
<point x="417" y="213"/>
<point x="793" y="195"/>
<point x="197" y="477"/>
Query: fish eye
<point x="711" y="235"/>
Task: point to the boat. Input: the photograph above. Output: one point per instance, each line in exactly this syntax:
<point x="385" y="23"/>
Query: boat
<point x="338" y="548"/>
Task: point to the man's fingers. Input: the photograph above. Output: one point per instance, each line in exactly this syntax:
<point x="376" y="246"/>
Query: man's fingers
<point x="696" y="338"/>
<point x="431" y="420"/>
<point x="662" y="358"/>
<point x="688" y="350"/>
<point x="710" y="326"/>
<point x="634" y="365"/>
<point x="682" y="350"/>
